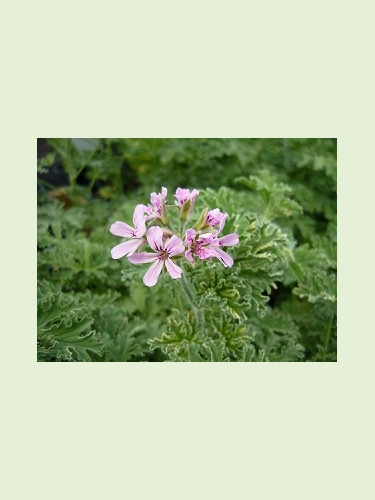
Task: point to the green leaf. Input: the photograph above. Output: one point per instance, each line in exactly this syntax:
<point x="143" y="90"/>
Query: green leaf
<point x="64" y="328"/>
<point x="275" y="196"/>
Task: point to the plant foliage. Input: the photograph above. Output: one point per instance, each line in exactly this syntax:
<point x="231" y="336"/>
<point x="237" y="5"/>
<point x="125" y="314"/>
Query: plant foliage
<point x="278" y="301"/>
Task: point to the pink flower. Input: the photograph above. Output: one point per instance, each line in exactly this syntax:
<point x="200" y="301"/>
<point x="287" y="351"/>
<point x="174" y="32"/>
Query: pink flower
<point x="216" y="218"/>
<point x="164" y="252"/>
<point x="197" y="245"/>
<point x="121" y="229"/>
<point x="225" y="241"/>
<point x="156" y="209"/>
<point x="208" y="245"/>
<point x="184" y="195"/>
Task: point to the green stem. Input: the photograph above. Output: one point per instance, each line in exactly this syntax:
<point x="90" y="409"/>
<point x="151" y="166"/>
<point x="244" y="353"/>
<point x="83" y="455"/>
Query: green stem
<point x="187" y="291"/>
<point x="181" y="229"/>
<point x="199" y="314"/>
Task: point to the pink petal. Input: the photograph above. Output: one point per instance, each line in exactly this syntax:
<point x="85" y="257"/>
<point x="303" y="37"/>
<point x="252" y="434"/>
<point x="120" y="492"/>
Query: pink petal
<point x="224" y="258"/>
<point x="194" y="194"/>
<point x="152" y="275"/>
<point x="121" y="229"/>
<point x="174" y="270"/>
<point x="182" y="195"/>
<point x="140" y="230"/>
<point x="137" y="243"/>
<point x="222" y="222"/>
<point x="228" y="240"/>
<point x="142" y="257"/>
<point x="205" y="253"/>
<point x="174" y="246"/>
<point x="214" y="216"/>
<point x="155" y="238"/>
<point x="206" y="238"/>
<point x="157" y="205"/>
<point x="127" y="248"/>
<point x="139" y="220"/>
<point x="155" y="199"/>
<point x="164" y="192"/>
<point x="189" y="256"/>
<point x="190" y="236"/>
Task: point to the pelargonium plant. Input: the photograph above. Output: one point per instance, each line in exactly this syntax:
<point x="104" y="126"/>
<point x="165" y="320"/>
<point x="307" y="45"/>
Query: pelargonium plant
<point x="152" y="228"/>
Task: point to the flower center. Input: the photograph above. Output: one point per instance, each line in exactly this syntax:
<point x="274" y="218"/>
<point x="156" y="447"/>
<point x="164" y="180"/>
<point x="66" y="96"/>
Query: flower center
<point x="163" y="255"/>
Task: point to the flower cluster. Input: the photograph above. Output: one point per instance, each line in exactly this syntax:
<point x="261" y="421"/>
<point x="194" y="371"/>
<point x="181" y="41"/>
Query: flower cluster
<point x="199" y="242"/>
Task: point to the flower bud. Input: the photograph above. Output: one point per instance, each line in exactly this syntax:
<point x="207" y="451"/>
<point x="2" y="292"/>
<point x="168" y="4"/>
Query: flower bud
<point x="185" y="200"/>
<point x="201" y="223"/>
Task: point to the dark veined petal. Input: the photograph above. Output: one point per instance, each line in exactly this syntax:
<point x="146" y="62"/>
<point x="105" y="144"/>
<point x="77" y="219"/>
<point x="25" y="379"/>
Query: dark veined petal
<point x="190" y="236"/>
<point x="155" y="238"/>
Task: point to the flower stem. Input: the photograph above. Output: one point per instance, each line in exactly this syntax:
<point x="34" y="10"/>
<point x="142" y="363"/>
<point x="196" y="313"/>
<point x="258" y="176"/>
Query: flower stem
<point x="181" y="229"/>
<point x="199" y="314"/>
<point x="187" y="291"/>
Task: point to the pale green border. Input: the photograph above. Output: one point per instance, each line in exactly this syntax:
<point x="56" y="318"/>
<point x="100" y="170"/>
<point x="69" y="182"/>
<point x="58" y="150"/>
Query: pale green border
<point x="188" y="431"/>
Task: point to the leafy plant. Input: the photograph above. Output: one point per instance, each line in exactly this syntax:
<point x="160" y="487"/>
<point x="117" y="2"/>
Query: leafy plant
<point x="278" y="301"/>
